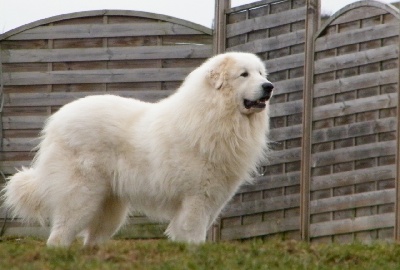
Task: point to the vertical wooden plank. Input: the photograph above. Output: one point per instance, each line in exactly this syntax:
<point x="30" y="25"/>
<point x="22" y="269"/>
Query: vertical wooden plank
<point x="50" y="45"/>
<point x="312" y="24"/>
<point x="219" y="46"/>
<point x="105" y="45"/>
<point x="3" y="179"/>
<point x="397" y="180"/>
<point x="1" y="101"/>
<point x="220" y="25"/>
<point x="214" y="232"/>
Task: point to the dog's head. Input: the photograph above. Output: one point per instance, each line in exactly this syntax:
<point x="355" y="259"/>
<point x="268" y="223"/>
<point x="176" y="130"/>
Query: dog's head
<point x="242" y="76"/>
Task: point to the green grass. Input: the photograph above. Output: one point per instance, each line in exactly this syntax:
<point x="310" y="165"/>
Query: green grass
<point x="29" y="253"/>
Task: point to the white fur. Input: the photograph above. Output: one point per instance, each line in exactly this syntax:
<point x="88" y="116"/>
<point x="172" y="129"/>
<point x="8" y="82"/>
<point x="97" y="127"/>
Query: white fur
<point x="178" y="160"/>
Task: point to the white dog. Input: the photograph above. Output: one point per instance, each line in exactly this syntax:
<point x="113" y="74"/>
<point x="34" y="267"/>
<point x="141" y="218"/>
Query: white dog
<point x="179" y="160"/>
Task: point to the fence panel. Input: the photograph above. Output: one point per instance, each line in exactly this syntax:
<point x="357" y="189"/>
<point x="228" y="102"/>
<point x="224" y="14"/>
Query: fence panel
<point x="54" y="61"/>
<point x="354" y="121"/>
<point x="274" y="30"/>
<point x="49" y="63"/>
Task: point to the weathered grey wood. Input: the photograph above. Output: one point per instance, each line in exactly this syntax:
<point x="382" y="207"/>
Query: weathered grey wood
<point x="359" y="14"/>
<point x="259" y="206"/>
<point x="84" y="14"/>
<point x="356" y="59"/>
<point x="104" y="30"/>
<point x="285" y="62"/>
<point x="272" y="20"/>
<point x="220" y="22"/>
<point x="353" y="153"/>
<point x="285" y="133"/>
<point x="251" y="6"/>
<point x="3" y="210"/>
<point x="272" y="43"/>
<point x="312" y="23"/>
<point x="19" y="144"/>
<point x="355" y="106"/>
<point x="19" y="122"/>
<point x="355" y="82"/>
<point x="132" y="219"/>
<point x="61" y="98"/>
<point x="357" y="200"/>
<point x="10" y="167"/>
<point x="353" y="177"/>
<point x="352" y="225"/>
<point x="356" y="5"/>
<point x="96" y="76"/>
<point x="283" y="156"/>
<point x="354" y="130"/>
<point x="24" y="103"/>
<point x="285" y="86"/>
<point x="1" y="95"/>
<point x="272" y="182"/>
<point x="356" y="36"/>
<point x="397" y="160"/>
<point x="260" y="228"/>
<point x="288" y="86"/>
<point x="133" y="231"/>
<point x="287" y="108"/>
<point x="23" y="122"/>
<point x="37" y="231"/>
<point x="106" y="54"/>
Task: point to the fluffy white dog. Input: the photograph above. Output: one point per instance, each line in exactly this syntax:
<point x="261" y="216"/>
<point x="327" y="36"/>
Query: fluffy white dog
<point x="179" y="160"/>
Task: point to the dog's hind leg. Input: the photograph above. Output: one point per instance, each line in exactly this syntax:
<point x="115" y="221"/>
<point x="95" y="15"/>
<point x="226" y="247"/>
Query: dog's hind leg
<point x="72" y="213"/>
<point x="106" y="222"/>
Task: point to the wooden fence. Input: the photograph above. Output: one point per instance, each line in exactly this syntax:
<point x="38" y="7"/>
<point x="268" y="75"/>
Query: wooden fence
<point x="354" y="121"/>
<point x="275" y="30"/>
<point x="54" y="61"/>
<point x="332" y="175"/>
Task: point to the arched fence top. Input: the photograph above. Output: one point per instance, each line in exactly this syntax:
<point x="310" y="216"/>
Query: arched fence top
<point x="363" y="3"/>
<point x="83" y="14"/>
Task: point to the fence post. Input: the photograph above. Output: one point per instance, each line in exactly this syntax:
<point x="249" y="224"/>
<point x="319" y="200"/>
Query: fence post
<point x="220" y="25"/>
<point x="397" y="184"/>
<point x="312" y="24"/>
<point x="1" y="101"/>
<point x="219" y="45"/>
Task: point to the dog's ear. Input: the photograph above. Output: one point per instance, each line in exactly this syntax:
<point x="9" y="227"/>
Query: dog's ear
<point x="217" y="75"/>
<point x="216" y="78"/>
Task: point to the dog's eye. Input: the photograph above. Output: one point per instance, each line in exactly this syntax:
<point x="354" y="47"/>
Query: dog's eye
<point x="244" y="74"/>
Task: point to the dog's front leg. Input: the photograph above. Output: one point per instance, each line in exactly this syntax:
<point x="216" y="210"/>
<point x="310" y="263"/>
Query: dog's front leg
<point x="191" y="222"/>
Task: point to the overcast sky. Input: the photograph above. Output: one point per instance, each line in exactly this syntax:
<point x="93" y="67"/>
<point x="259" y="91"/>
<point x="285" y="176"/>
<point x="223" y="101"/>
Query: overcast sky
<point x="14" y="13"/>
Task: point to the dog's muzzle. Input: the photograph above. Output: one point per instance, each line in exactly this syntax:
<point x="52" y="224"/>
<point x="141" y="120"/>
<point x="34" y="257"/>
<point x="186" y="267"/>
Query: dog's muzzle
<point x="261" y="102"/>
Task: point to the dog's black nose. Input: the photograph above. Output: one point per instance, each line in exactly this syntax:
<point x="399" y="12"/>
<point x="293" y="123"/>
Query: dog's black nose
<point x="267" y="87"/>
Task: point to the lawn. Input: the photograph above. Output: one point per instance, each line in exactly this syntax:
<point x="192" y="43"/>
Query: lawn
<point x="30" y="253"/>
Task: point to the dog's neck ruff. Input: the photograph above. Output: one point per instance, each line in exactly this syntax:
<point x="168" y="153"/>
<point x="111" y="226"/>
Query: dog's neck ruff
<point x="214" y="133"/>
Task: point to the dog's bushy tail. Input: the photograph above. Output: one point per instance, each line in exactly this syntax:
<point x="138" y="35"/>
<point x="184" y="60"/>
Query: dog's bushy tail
<point x="22" y="196"/>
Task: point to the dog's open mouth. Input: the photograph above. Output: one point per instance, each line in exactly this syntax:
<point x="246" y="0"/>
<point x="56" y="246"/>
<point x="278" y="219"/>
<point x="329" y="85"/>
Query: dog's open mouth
<point x="259" y="104"/>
